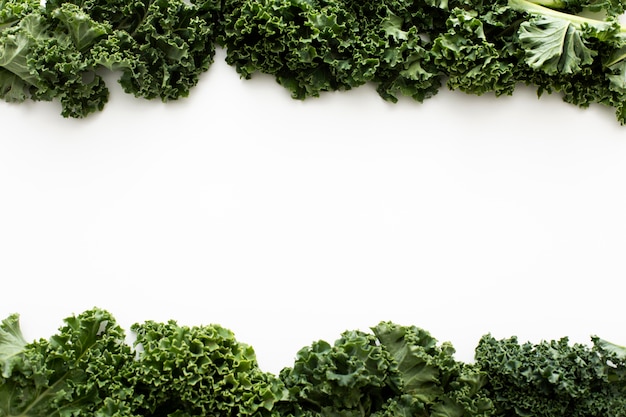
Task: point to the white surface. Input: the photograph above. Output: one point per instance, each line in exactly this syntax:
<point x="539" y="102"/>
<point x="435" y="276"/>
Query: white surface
<point x="291" y="221"/>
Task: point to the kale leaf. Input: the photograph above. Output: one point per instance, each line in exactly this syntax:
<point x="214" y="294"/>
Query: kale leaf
<point x="73" y="373"/>
<point x="57" y="51"/>
<point x="12" y="344"/>
<point x="554" y="377"/>
<point x="197" y="371"/>
<point x="397" y="370"/>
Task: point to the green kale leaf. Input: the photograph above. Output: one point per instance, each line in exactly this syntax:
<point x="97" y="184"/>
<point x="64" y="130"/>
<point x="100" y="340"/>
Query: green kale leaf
<point x="161" y="55"/>
<point x="71" y="374"/>
<point x="308" y="46"/>
<point x="430" y="374"/>
<point x="396" y="370"/>
<point x="407" y="67"/>
<point x="12" y="344"/>
<point x="11" y="11"/>
<point x="473" y="63"/>
<point x="40" y="59"/>
<point x="552" y="378"/>
<point x="197" y="371"/>
<point x="554" y="45"/>
<point x="350" y="377"/>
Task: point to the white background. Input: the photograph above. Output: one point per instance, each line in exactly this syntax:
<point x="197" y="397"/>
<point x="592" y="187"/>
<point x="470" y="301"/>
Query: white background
<point x="291" y="221"/>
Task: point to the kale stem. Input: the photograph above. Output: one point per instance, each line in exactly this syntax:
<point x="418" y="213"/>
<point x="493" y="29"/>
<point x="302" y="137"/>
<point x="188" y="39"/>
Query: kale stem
<point x="543" y="8"/>
<point x="553" y="4"/>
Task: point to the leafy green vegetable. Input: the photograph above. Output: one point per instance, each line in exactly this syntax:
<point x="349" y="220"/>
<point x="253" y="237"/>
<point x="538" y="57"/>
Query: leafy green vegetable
<point x="58" y="51"/>
<point x="473" y="63"/>
<point x="88" y="369"/>
<point x="12" y="344"/>
<point x="397" y="370"/>
<point x="73" y="373"/>
<point x="160" y="48"/>
<point x="197" y="371"/>
<point x="554" y="378"/>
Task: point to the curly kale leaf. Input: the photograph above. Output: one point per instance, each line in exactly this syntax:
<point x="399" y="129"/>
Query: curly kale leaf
<point x="395" y="371"/>
<point x="16" y="45"/>
<point x="193" y="371"/>
<point x="610" y="7"/>
<point x="328" y="45"/>
<point x="164" y="53"/>
<point x="56" y="52"/>
<point x="406" y="48"/>
<point x="308" y="46"/>
<point x="12" y="345"/>
<point x="407" y="65"/>
<point x="473" y="63"/>
<point x="87" y="369"/>
<point x="429" y="373"/>
<point x="350" y="377"/>
<point x="82" y="29"/>
<point x="41" y="59"/>
<point x="71" y="374"/>
<point x="550" y="378"/>
<point x="11" y="11"/>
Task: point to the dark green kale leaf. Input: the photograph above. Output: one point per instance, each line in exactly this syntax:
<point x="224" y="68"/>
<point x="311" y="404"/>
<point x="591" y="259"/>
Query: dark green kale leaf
<point x="352" y="377"/>
<point x="610" y="7"/>
<point x="430" y="375"/>
<point x="59" y="51"/>
<point x="308" y="46"/>
<point x="552" y="378"/>
<point x="397" y="371"/>
<point x="407" y="67"/>
<point x="472" y="63"/>
<point x="163" y="54"/>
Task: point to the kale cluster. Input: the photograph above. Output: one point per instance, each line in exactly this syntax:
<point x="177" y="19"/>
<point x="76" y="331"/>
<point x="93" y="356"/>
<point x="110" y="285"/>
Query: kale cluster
<point x="88" y="369"/>
<point x="58" y="50"/>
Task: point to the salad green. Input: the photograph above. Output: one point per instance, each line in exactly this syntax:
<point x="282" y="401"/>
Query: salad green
<point x="59" y="50"/>
<point x="89" y="369"/>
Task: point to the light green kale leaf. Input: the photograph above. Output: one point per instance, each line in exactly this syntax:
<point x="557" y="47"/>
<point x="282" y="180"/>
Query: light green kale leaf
<point x="82" y="29"/>
<point x="71" y="374"/>
<point x="11" y="11"/>
<point x="17" y="43"/>
<point x="554" y="45"/>
<point x="12" y="344"/>
<point x="197" y="371"/>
